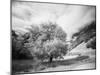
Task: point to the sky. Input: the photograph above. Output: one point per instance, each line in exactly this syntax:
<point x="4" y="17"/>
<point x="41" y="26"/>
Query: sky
<point x="70" y="17"/>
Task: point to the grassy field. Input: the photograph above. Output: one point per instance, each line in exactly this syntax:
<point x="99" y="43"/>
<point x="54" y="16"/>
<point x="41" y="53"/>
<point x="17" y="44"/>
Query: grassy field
<point x="58" y="65"/>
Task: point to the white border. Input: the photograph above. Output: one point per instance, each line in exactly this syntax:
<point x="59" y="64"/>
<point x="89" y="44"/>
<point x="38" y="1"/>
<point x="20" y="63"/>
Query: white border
<point x="5" y="37"/>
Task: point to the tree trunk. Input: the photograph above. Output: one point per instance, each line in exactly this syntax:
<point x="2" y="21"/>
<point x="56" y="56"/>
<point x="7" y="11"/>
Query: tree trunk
<point x="50" y="59"/>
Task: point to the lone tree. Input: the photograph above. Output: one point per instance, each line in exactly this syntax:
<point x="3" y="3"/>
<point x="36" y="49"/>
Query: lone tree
<point x="47" y="42"/>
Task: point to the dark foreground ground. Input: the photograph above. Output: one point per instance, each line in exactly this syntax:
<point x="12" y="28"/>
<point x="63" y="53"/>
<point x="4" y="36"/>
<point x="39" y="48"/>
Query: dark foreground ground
<point x="28" y="66"/>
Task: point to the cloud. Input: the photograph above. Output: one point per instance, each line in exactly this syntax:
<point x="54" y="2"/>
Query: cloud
<point x="70" y="17"/>
<point x="78" y="17"/>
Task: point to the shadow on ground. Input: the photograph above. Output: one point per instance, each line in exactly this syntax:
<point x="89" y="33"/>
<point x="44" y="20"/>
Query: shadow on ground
<point x="65" y="62"/>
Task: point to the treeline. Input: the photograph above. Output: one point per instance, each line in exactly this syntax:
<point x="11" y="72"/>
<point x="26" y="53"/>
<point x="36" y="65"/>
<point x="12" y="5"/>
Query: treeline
<point x="87" y="34"/>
